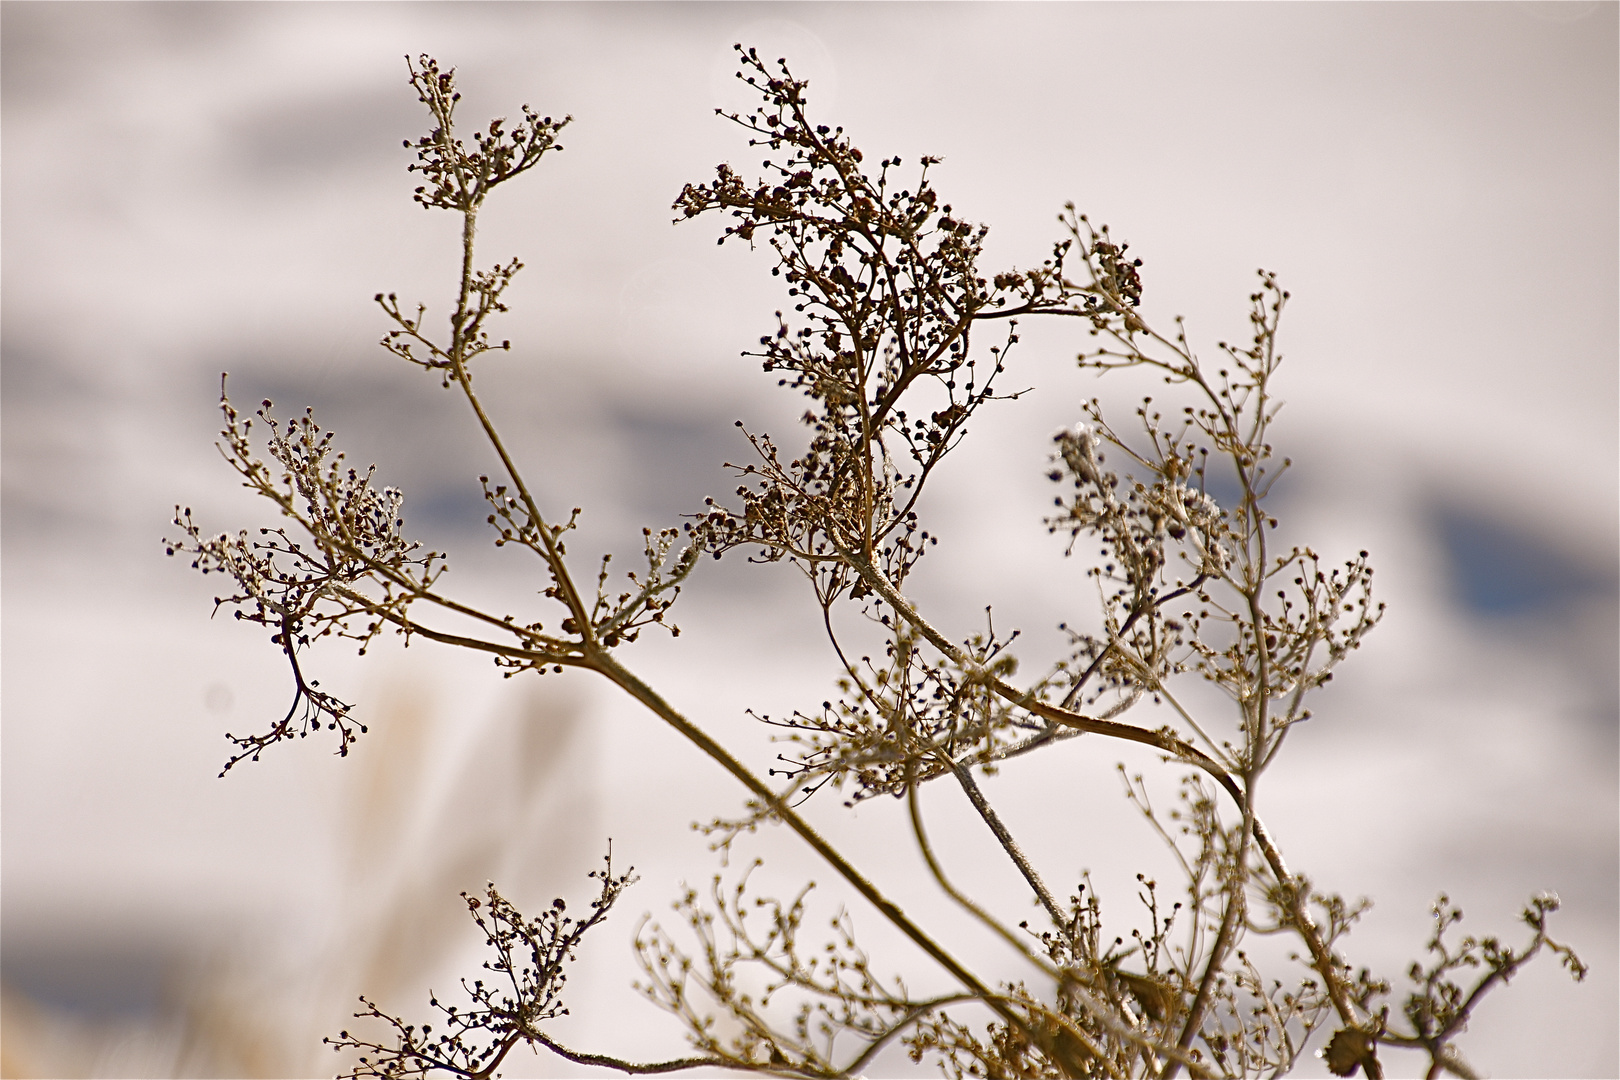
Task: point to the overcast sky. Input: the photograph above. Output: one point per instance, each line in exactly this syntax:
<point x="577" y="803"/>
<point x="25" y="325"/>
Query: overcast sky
<point x="191" y="189"/>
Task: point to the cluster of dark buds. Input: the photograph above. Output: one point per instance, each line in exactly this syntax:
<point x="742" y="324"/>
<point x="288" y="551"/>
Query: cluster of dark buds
<point x="524" y="989"/>
<point x="347" y="571"/>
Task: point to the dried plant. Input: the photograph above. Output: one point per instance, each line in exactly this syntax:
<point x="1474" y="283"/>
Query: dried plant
<point x="886" y="296"/>
<point x="528" y="974"/>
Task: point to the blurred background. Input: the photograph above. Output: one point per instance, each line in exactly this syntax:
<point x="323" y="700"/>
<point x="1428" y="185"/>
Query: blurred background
<point x="195" y="189"/>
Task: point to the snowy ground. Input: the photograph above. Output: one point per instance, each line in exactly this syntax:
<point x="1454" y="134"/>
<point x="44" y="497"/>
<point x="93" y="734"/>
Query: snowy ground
<point x="196" y="189"/>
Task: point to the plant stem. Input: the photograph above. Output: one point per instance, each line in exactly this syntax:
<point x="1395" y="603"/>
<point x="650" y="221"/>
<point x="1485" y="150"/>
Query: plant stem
<point x="625" y="680"/>
<point x="970" y="788"/>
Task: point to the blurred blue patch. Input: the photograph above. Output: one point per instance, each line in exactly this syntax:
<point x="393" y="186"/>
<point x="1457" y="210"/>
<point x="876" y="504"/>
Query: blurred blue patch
<point x="447" y="512"/>
<point x="1221" y="485"/>
<point x="102" y="979"/>
<point x="678" y="449"/>
<point x="1500" y="571"/>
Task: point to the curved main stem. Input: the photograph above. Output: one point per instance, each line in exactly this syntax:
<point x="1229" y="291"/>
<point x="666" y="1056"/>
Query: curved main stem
<point x="625" y="680"/>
